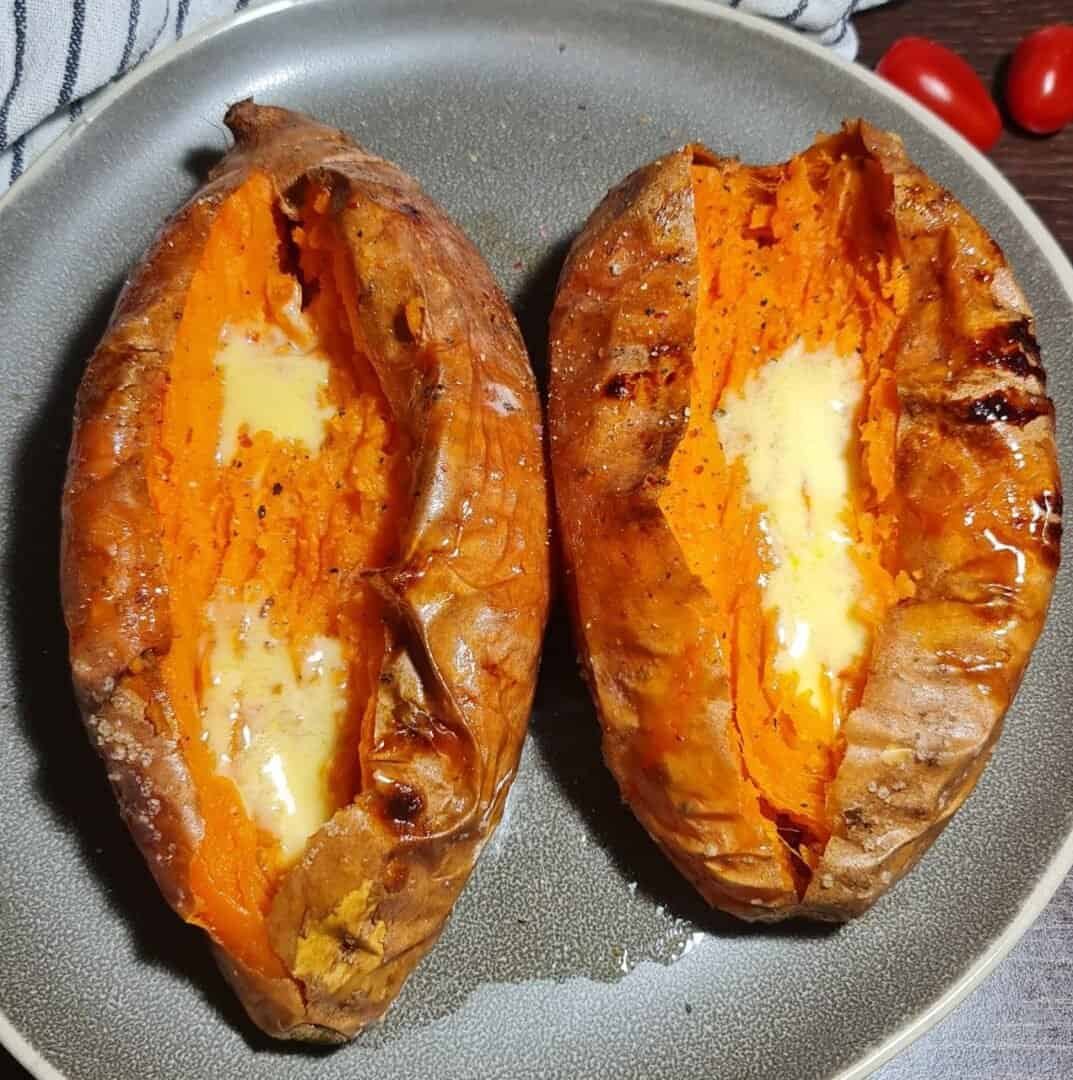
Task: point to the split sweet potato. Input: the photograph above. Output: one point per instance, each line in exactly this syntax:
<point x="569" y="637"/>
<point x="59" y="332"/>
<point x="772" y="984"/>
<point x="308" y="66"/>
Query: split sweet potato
<point x="806" y="477"/>
<point x="305" y="567"/>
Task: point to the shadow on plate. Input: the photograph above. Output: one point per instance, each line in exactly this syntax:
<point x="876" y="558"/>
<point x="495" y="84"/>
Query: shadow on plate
<point x="533" y="304"/>
<point x="568" y="735"/>
<point x="199" y="161"/>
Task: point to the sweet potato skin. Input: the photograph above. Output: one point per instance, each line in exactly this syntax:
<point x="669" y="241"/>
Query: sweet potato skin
<point x="466" y="600"/>
<point x="621" y="347"/>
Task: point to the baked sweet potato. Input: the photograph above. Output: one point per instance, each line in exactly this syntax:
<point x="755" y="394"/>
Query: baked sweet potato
<point x="305" y="567"/>
<point x="805" y="471"/>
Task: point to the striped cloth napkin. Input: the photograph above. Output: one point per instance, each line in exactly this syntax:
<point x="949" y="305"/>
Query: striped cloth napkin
<point x="54" y="54"/>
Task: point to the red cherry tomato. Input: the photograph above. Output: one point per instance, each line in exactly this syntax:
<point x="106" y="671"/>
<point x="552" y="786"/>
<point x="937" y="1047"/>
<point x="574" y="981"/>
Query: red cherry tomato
<point x="944" y="82"/>
<point x="1039" y="86"/>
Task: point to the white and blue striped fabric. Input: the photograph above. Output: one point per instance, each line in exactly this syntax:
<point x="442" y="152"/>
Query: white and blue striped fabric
<point x="55" y="53"/>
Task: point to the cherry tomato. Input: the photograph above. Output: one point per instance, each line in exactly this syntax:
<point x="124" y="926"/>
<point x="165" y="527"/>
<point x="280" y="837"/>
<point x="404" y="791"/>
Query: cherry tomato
<point x="1039" y="86"/>
<point x="944" y="82"/>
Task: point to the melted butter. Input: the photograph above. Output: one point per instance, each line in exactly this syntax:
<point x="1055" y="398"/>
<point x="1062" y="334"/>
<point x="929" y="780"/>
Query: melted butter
<point x="793" y="426"/>
<point x="271" y="719"/>
<point x="270" y="383"/>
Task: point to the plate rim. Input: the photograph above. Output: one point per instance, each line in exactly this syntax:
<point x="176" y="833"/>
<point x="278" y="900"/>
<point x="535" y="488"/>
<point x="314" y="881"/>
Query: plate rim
<point x="20" y="1047"/>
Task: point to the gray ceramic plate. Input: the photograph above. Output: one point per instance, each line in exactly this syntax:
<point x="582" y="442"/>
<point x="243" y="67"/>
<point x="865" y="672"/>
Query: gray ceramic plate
<point x="576" y="950"/>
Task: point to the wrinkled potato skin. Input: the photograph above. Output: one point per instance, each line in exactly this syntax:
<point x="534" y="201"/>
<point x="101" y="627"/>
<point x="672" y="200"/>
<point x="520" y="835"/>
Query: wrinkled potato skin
<point x="466" y="600"/>
<point x="621" y="358"/>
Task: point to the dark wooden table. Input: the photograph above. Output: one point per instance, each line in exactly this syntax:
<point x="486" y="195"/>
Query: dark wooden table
<point x="1019" y="1024"/>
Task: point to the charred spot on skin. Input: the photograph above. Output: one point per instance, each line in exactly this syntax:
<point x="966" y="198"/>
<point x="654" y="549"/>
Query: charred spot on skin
<point x="403" y="804"/>
<point x="410" y="211"/>
<point x="348" y="945"/>
<point x="1007" y="407"/>
<point x="618" y="387"/>
<point x="400" y="327"/>
<point x="1013" y="348"/>
<point x="628" y="385"/>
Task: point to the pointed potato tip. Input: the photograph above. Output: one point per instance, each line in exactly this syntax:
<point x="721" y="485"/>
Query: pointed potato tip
<point x="249" y="122"/>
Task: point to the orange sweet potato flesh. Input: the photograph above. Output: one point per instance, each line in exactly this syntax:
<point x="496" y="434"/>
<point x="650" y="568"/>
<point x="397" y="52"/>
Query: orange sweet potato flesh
<point x="795" y="252"/>
<point x="419" y="524"/>
<point x="689" y="275"/>
<point x="274" y="516"/>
